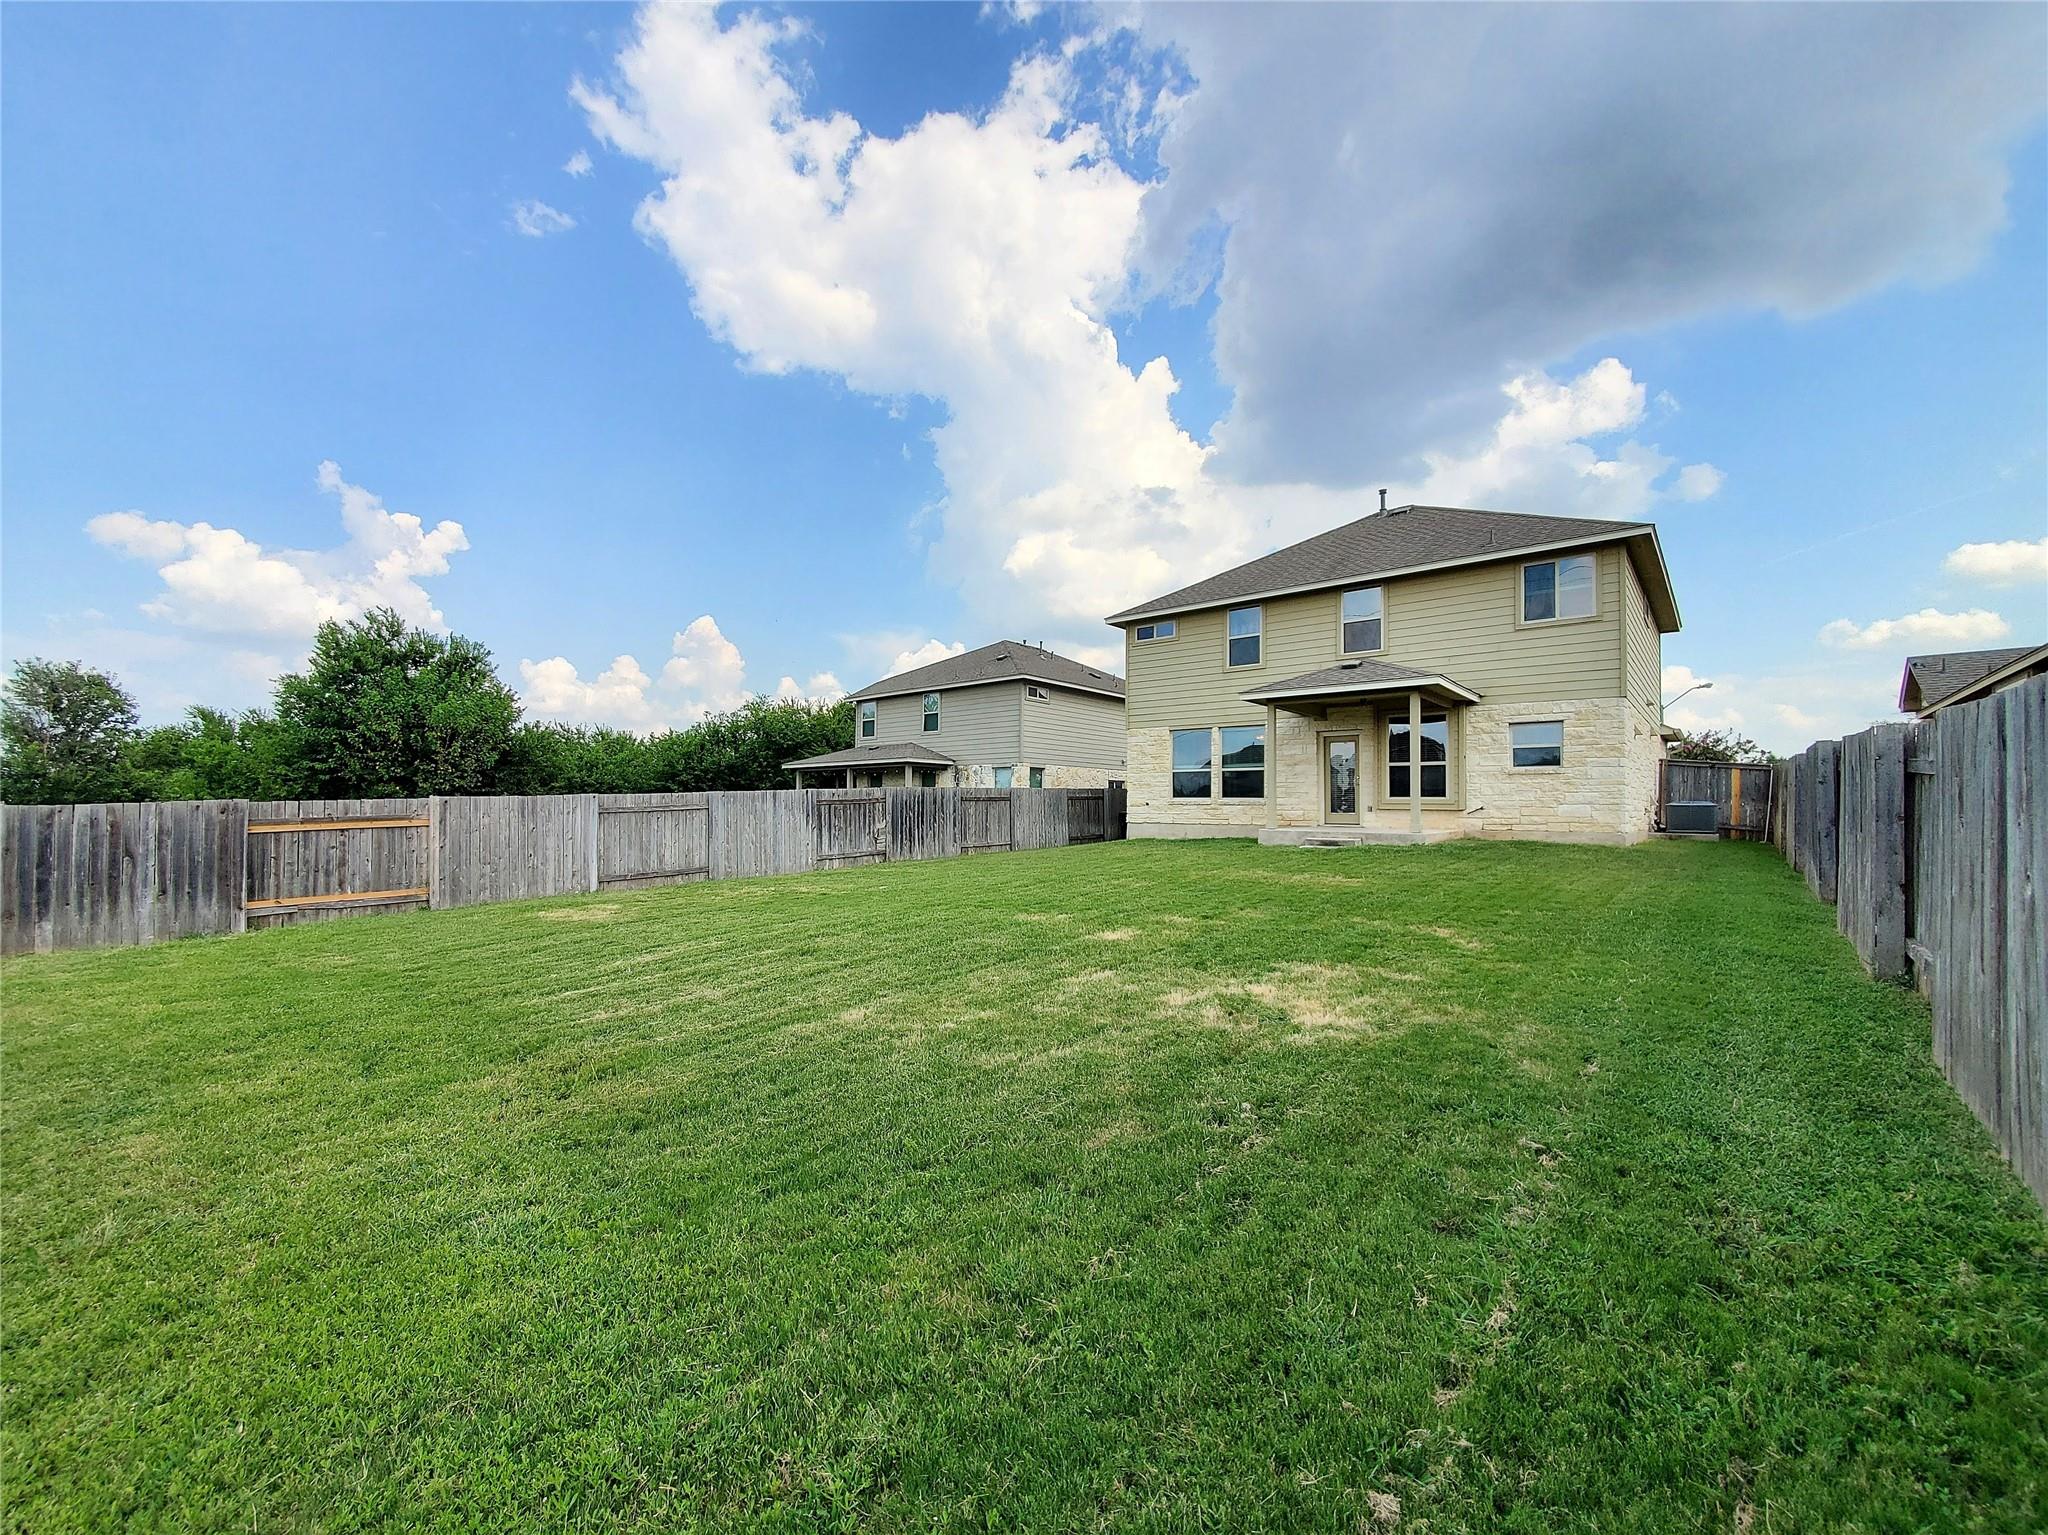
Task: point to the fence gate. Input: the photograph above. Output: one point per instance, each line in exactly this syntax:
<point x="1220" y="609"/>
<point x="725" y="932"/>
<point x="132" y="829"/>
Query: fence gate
<point x="1087" y="815"/>
<point x="985" y="822"/>
<point x="1742" y="792"/>
<point x="852" y="828"/>
<point x="652" y="839"/>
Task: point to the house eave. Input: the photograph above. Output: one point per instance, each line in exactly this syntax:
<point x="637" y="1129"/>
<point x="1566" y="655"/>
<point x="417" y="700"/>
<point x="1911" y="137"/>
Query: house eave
<point x="1438" y="683"/>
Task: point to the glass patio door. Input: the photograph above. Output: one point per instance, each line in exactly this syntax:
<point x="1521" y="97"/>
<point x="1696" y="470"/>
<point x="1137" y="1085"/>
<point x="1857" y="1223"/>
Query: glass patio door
<point x="1340" y="780"/>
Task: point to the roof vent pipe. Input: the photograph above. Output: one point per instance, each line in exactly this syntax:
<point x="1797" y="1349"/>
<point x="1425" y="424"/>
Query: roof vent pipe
<point x="1383" y="498"/>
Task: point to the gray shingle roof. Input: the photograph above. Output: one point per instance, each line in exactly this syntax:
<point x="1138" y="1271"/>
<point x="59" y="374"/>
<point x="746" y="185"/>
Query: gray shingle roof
<point x="1400" y="539"/>
<point x="1004" y="661"/>
<point x="1934" y="678"/>
<point x="876" y="754"/>
<point x="1363" y="675"/>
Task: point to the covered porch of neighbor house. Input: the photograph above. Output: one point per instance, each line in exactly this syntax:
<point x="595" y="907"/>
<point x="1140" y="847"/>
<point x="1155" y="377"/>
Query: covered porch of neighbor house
<point x="875" y="765"/>
<point x="1365" y="751"/>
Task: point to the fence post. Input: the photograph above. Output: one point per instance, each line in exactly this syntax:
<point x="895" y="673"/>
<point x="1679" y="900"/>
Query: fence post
<point x="434" y="900"/>
<point x="591" y="824"/>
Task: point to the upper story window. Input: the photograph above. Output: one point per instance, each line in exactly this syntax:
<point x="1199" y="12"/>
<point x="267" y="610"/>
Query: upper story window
<point x="867" y="717"/>
<point x="1554" y="589"/>
<point x="1246" y="626"/>
<point x="1165" y="629"/>
<point x="1034" y="691"/>
<point x="931" y="711"/>
<point x="1364" y="618"/>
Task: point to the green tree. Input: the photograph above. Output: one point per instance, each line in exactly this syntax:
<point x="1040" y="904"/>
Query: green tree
<point x="63" y="728"/>
<point x="387" y="709"/>
<point x="1715" y="746"/>
<point x="745" y="749"/>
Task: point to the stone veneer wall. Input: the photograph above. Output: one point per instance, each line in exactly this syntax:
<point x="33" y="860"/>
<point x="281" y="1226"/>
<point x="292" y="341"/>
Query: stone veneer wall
<point x="982" y="775"/>
<point x="1602" y="793"/>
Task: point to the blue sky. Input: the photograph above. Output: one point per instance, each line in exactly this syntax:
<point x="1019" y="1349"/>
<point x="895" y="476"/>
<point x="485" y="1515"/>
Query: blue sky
<point x="872" y="379"/>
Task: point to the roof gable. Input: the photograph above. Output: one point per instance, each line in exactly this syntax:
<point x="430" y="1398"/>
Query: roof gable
<point x="1004" y="661"/>
<point x="1933" y="679"/>
<point x="1412" y="538"/>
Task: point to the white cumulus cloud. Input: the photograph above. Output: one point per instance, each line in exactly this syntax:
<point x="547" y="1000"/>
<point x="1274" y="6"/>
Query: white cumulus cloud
<point x="219" y="581"/>
<point x="819" y="688"/>
<point x="2014" y="562"/>
<point x="578" y="164"/>
<point x="1928" y="627"/>
<point x="704" y="674"/>
<point x="536" y="220"/>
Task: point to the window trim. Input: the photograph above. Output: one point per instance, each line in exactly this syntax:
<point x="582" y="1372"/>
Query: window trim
<point x="1036" y="694"/>
<point x="1454" y="780"/>
<point x="1523" y="621"/>
<point x="867" y="718"/>
<point x="1535" y="767"/>
<point x="1244" y="666"/>
<point x="1379" y="649"/>
<point x="1208" y="769"/>
<point x="1170" y="625"/>
<point x="1223" y="770"/>
<point x="931" y="713"/>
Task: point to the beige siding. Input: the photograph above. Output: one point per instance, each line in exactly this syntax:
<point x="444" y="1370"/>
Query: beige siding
<point x="976" y="724"/>
<point x="1074" y="730"/>
<point x="1463" y="623"/>
<point x="1645" y="647"/>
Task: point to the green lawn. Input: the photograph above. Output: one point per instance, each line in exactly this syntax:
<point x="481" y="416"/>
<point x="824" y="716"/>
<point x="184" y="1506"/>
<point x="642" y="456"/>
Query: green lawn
<point x="1145" y="1186"/>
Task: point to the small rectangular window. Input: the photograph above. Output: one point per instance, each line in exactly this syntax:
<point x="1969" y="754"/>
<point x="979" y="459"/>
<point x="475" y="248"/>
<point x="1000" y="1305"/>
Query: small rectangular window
<point x="1165" y="629"/>
<point x="1246" y="627"/>
<point x="1038" y="778"/>
<point x="931" y="711"/>
<point x="927" y="778"/>
<point x="1244" y="761"/>
<point x="1005" y="776"/>
<point x="1537" y="743"/>
<point x="1191" y="756"/>
<point x="867" y="718"/>
<point x="1554" y="589"/>
<point x="1033" y="691"/>
<point x="1364" y="620"/>
<point x="1436" y="757"/>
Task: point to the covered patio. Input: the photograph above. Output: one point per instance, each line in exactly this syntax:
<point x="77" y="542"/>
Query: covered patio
<point x="876" y="765"/>
<point x="1361" y="751"/>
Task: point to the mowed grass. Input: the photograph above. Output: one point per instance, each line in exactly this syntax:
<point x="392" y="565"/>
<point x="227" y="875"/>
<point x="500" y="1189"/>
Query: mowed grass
<point x="1143" y="1186"/>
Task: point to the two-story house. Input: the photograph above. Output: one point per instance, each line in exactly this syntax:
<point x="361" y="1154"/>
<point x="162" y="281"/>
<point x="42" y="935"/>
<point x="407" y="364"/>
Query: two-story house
<point x="1421" y="673"/>
<point x="1006" y="715"/>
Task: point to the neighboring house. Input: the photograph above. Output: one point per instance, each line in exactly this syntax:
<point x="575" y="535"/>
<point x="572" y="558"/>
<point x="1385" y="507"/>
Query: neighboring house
<point x="1284" y="698"/>
<point x="1931" y="683"/>
<point x="1008" y="714"/>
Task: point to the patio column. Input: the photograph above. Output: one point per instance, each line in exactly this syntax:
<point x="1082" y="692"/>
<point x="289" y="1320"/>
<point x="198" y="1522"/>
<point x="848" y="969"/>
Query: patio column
<point x="1272" y="765"/>
<point x="849" y="778"/>
<point x="1415" y="763"/>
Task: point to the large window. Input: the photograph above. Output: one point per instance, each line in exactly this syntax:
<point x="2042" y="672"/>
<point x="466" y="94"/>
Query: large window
<point x="1244" y="761"/>
<point x="1554" y="589"/>
<point x="1246" y="625"/>
<point x="931" y="711"/>
<point x="1191" y="762"/>
<point x="1537" y="743"/>
<point x="1364" y="620"/>
<point x="1436" y="757"/>
<point x="867" y="717"/>
<point x="1165" y="629"/>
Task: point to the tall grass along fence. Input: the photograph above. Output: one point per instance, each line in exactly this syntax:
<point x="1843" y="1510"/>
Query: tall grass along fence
<point x="87" y="876"/>
<point x="1931" y="840"/>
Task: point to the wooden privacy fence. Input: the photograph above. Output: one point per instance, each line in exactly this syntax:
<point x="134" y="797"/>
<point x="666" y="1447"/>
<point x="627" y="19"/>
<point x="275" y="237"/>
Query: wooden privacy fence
<point x="87" y="876"/>
<point x="1742" y="792"/>
<point x="1931" y="840"/>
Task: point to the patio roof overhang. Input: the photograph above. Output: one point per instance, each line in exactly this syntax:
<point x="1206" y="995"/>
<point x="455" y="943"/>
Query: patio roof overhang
<point x="1361" y="679"/>
<point x="894" y="754"/>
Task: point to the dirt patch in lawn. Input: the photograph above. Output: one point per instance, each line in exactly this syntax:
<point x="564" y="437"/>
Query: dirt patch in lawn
<point x="600" y="913"/>
<point x="1115" y="935"/>
<point x="1318" y="1002"/>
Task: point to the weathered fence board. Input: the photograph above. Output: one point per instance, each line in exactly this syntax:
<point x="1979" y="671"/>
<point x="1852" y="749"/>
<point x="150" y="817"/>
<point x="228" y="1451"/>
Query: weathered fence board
<point x="513" y="847"/>
<point x="1933" y="842"/>
<point x="852" y="826"/>
<point x="315" y="860"/>
<point x="87" y="876"/>
<point x="986" y="820"/>
<point x="762" y="831"/>
<point x="1038" y="818"/>
<point x="645" y="840"/>
<point x="924" y="823"/>
<point x="1087" y="815"/>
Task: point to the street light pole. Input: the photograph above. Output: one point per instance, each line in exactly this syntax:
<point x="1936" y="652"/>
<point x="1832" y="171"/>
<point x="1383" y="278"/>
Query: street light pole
<point x="1695" y="688"/>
